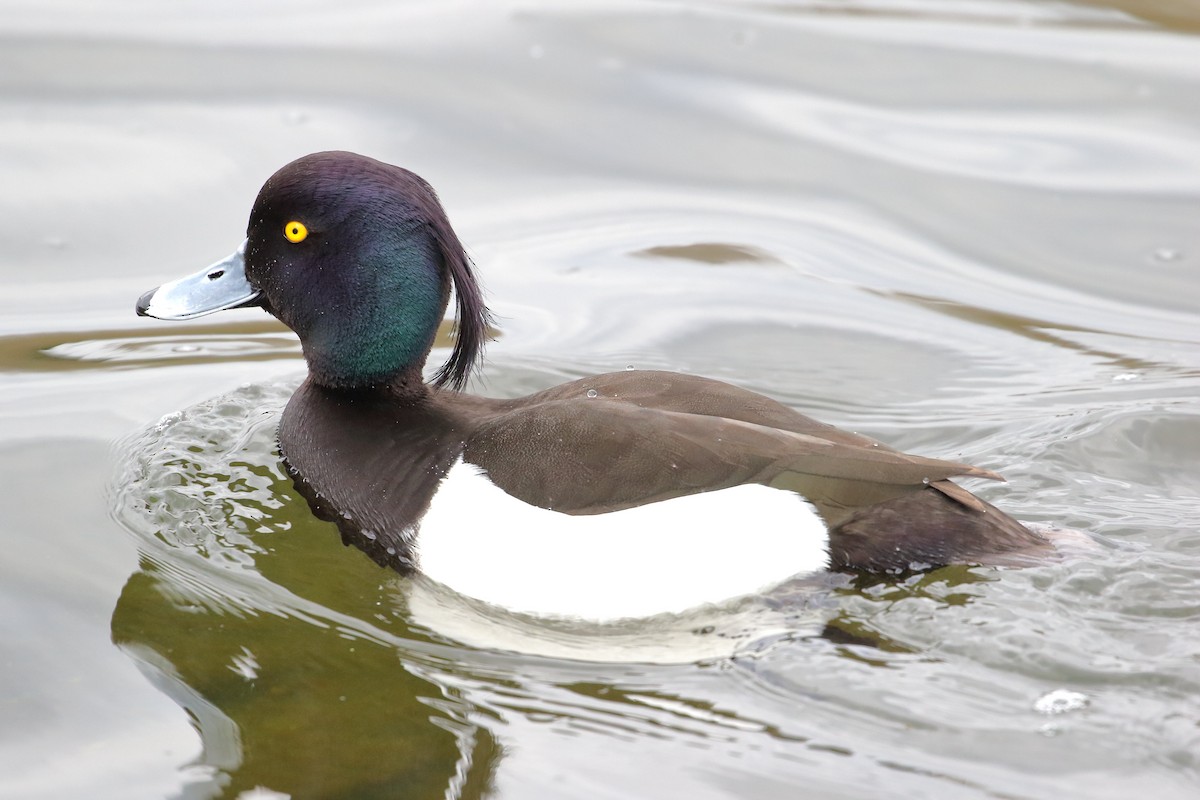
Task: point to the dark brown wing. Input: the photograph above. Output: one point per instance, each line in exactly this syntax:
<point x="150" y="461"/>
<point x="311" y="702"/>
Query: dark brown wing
<point x="585" y="455"/>
<point x="691" y="394"/>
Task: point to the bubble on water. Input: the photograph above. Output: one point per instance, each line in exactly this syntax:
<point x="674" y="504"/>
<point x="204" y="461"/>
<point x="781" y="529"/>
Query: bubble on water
<point x="391" y="551"/>
<point x="1060" y="701"/>
<point x="592" y="393"/>
<point x="370" y="535"/>
<point x="167" y="420"/>
<point x="925" y="481"/>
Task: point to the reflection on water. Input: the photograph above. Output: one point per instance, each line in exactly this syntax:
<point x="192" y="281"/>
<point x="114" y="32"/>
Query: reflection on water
<point x="708" y="253"/>
<point x="209" y="343"/>
<point x="256" y="622"/>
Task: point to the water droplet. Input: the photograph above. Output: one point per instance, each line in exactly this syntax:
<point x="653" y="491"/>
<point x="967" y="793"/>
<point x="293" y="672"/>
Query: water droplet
<point x="1165" y="254"/>
<point x="1060" y="701"/>
<point x="925" y="481"/>
<point x="592" y="393"/>
<point x="391" y="551"/>
<point x="346" y="515"/>
<point x="370" y="535"/>
<point x="630" y="367"/>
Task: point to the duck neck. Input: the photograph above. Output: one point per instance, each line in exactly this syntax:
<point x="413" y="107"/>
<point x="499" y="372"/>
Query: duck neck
<point x="406" y="388"/>
<point x="377" y="329"/>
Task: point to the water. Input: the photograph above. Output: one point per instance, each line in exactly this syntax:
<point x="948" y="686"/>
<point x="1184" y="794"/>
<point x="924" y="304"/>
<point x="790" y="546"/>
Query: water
<point x="967" y="229"/>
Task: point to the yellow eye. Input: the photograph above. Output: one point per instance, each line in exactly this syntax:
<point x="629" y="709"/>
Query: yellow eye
<point x="295" y="231"/>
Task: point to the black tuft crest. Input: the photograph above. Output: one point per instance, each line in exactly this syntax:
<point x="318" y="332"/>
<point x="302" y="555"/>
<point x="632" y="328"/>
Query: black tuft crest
<point x="472" y="318"/>
<point x="471" y="314"/>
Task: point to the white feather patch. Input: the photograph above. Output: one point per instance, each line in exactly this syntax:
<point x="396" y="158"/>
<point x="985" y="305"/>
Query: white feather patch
<point x="663" y="557"/>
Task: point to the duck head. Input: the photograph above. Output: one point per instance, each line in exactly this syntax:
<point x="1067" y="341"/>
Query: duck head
<point x="358" y="258"/>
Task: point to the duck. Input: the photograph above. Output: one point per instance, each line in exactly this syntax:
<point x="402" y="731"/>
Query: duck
<point x="627" y="494"/>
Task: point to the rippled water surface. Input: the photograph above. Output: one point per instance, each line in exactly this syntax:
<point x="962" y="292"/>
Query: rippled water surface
<point x="971" y="229"/>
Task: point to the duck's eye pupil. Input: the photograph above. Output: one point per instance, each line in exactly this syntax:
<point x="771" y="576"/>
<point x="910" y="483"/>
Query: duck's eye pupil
<point x="295" y="231"/>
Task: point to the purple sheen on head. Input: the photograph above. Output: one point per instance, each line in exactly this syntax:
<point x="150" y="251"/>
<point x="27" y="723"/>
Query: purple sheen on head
<point x="339" y="186"/>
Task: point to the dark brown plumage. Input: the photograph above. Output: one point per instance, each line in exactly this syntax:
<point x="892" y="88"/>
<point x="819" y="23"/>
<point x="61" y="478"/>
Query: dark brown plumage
<point x="368" y="440"/>
<point x="644" y="437"/>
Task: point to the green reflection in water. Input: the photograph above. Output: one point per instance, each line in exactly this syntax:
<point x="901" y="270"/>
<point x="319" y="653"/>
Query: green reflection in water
<point x="290" y="657"/>
<point x="322" y="716"/>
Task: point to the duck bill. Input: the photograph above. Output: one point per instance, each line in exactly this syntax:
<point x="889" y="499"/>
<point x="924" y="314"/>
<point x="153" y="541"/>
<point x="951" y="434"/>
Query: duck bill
<point x="215" y="288"/>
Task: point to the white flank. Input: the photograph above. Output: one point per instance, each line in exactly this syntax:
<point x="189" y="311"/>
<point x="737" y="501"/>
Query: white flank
<point x="664" y="557"/>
